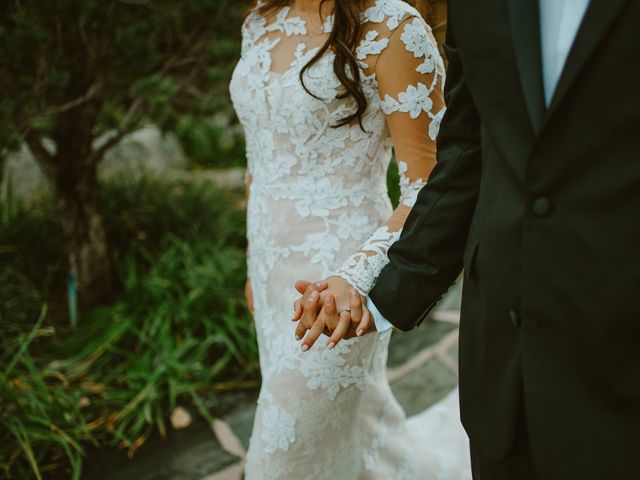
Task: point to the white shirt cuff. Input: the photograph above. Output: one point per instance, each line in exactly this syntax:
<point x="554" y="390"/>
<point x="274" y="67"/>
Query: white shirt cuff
<point x="382" y="324"/>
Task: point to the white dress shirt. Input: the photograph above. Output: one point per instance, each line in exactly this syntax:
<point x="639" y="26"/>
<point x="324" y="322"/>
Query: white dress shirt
<point x="560" y="21"/>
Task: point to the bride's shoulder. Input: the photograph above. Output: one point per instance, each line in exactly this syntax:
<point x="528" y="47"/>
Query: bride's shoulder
<point x="388" y="13"/>
<point x="254" y="23"/>
<point x="253" y="18"/>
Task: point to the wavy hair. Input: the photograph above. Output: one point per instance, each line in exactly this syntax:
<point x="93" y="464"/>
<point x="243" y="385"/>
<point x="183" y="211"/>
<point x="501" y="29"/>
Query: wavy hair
<point x="343" y="41"/>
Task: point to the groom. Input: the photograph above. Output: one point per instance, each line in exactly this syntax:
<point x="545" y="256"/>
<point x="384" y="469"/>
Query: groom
<point x="537" y="194"/>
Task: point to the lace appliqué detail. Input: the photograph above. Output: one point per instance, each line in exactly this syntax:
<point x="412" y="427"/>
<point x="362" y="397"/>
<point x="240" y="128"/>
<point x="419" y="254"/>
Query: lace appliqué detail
<point x="327" y="25"/>
<point x="415" y="41"/>
<point x="391" y="10"/>
<point x="288" y="25"/>
<point x="409" y="190"/>
<point x="413" y="101"/>
<point x="361" y="269"/>
<point x="330" y="372"/>
<point x="371" y="46"/>
<point x="434" y="126"/>
<point x="278" y="430"/>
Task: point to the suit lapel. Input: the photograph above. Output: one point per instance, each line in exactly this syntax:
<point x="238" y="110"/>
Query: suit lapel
<point x="597" y="21"/>
<point x="524" y="16"/>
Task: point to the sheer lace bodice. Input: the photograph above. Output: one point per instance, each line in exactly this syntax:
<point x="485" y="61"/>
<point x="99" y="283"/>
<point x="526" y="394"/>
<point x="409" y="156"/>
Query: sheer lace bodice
<point x="296" y="156"/>
<point x="318" y="206"/>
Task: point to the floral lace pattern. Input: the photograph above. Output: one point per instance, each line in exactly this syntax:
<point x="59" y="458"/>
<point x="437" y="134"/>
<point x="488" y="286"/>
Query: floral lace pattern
<point x="362" y="269"/>
<point x="318" y="206"/>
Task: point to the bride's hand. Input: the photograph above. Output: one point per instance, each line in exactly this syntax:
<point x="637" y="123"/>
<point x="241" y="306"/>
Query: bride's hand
<point x="342" y="313"/>
<point x="248" y="295"/>
<point x="345" y="325"/>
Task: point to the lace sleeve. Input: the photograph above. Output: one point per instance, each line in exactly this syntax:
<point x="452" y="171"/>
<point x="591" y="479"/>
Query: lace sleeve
<point x="410" y="75"/>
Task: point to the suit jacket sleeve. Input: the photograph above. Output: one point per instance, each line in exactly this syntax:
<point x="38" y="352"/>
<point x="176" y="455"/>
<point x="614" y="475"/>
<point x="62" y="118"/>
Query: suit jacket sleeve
<point x="427" y="258"/>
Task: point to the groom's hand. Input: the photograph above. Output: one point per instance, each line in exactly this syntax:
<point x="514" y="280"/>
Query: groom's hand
<point x="348" y="323"/>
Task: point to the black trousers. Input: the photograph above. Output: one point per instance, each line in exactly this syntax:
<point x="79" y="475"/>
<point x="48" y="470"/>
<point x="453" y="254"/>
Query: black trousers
<point x="517" y="466"/>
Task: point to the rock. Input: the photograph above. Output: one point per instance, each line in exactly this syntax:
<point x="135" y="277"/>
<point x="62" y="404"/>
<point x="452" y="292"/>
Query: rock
<point x="142" y="152"/>
<point x="180" y="418"/>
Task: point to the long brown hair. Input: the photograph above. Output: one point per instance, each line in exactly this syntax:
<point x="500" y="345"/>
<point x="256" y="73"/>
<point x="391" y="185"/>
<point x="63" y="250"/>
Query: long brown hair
<point x="343" y="40"/>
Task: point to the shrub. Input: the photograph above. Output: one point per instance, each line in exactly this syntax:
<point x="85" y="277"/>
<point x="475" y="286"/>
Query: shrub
<point x="178" y="331"/>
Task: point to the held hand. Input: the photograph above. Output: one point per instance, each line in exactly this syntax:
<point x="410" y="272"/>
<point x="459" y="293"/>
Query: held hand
<point x="343" y="314"/>
<point x="306" y="308"/>
<point x="344" y="325"/>
<point x="306" y="288"/>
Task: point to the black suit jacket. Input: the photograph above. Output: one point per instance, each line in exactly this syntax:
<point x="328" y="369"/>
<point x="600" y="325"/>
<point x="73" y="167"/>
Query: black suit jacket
<point x="542" y="207"/>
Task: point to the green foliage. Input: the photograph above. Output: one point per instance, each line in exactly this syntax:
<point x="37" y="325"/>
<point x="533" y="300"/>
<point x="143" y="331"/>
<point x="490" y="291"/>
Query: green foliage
<point x="139" y="214"/>
<point x="393" y="183"/>
<point x="32" y="258"/>
<point x="39" y="414"/>
<point x="178" y="332"/>
<point x="143" y="216"/>
<point x="209" y="143"/>
<point x="113" y="64"/>
<point x="214" y="141"/>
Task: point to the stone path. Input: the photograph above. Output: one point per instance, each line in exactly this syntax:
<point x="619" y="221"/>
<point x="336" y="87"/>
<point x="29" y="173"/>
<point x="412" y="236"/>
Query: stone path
<point x="422" y="369"/>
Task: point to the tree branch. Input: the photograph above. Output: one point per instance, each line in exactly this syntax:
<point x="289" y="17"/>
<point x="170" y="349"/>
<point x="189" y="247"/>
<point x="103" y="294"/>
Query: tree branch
<point x="76" y="102"/>
<point x="116" y="138"/>
<point x="129" y="122"/>
<point x="136" y="2"/>
<point x="188" y="46"/>
<point x="41" y="154"/>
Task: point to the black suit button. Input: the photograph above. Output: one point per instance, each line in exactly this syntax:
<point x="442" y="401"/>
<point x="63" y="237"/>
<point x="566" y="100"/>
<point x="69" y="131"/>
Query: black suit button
<point x="542" y="206"/>
<point x="515" y="318"/>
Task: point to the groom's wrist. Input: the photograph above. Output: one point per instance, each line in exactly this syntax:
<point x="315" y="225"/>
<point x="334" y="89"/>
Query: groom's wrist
<point x="381" y="324"/>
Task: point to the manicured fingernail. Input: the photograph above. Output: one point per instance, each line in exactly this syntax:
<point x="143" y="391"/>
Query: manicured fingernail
<point x="305" y="347"/>
<point x="298" y="337"/>
<point x="314" y="296"/>
<point x="331" y="345"/>
<point x="359" y="332"/>
<point x="321" y="284"/>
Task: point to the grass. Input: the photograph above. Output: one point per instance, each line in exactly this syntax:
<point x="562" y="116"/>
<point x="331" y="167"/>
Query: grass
<point x="178" y="333"/>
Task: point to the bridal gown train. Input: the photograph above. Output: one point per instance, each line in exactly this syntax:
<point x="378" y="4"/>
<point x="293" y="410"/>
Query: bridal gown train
<point x="318" y="206"/>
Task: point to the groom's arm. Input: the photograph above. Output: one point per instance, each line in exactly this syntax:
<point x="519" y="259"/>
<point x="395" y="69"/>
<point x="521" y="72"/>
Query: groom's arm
<point x="427" y="258"/>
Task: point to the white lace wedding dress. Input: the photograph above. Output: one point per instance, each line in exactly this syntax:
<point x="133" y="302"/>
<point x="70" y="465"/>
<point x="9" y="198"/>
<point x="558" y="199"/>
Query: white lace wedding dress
<point x="318" y="206"/>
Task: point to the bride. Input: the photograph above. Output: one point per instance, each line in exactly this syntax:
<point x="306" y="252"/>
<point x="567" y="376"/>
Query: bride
<point x="325" y="90"/>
